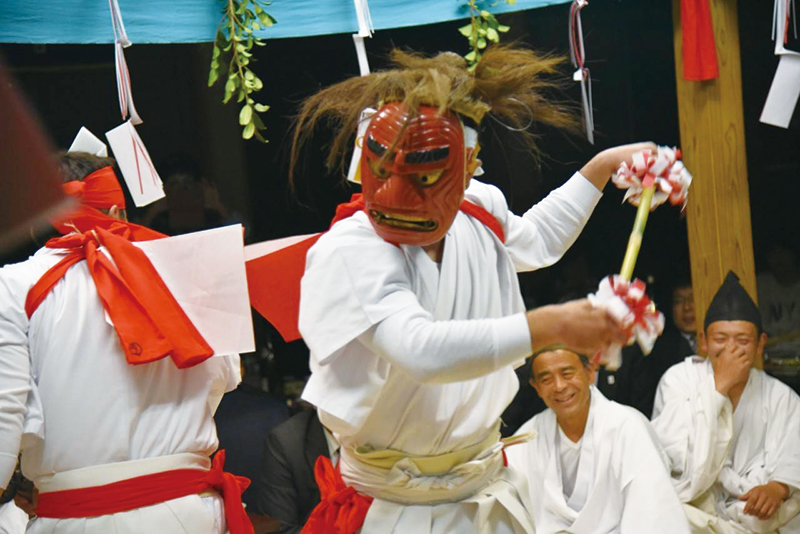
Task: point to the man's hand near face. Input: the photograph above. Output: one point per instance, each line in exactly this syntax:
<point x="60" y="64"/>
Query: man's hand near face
<point x="731" y="367"/>
<point x="764" y="501"/>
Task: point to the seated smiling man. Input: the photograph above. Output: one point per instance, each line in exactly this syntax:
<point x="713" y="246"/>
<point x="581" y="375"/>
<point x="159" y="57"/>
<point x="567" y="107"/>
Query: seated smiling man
<point x="732" y="433"/>
<point x="594" y="466"/>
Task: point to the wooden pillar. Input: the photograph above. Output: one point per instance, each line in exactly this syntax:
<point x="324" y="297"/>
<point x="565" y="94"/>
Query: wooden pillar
<point x="712" y="141"/>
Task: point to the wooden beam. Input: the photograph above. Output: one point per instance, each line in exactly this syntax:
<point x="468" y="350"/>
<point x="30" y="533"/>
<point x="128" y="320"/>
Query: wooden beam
<point x="713" y="145"/>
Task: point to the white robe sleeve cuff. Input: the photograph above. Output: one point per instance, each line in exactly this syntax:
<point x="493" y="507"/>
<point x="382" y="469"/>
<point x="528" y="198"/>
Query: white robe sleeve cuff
<point x="513" y="337"/>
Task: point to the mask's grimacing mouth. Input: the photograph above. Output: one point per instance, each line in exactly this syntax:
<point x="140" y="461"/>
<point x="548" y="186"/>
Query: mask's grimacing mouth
<point x="404" y="222"/>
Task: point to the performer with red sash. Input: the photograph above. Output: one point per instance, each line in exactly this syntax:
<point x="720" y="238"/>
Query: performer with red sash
<point x="106" y="386"/>
<point x="410" y="303"/>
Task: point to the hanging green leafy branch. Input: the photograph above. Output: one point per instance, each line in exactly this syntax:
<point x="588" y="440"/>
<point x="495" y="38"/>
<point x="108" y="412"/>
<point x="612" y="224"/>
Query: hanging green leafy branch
<point x="231" y="58"/>
<point x="482" y="29"/>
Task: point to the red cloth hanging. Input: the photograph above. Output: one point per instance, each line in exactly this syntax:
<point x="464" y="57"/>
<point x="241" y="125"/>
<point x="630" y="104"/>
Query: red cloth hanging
<point x="699" y="50"/>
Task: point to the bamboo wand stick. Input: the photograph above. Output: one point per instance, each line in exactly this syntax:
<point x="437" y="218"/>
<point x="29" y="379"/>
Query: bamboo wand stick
<point x="637" y="234"/>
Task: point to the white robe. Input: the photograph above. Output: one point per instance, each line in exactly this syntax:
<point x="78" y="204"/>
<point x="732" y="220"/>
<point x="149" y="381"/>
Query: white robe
<point x="717" y="456"/>
<point x="13" y="519"/>
<point x="418" y="357"/>
<point x="622" y="483"/>
<point x="70" y="401"/>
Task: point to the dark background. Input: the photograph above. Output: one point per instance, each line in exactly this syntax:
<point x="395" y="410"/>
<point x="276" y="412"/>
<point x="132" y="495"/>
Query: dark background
<point x="630" y="53"/>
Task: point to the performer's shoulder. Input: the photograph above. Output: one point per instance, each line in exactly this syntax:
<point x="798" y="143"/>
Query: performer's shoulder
<point x="687" y="367"/>
<point x="778" y="389"/>
<point x="27" y="272"/>
<point x="487" y="196"/>
<point x="353" y="231"/>
<point x="624" y="420"/>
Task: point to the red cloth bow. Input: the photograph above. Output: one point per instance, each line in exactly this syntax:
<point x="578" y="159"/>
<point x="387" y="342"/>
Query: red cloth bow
<point x="231" y="487"/>
<point x="342" y="509"/>
<point x="149" y="321"/>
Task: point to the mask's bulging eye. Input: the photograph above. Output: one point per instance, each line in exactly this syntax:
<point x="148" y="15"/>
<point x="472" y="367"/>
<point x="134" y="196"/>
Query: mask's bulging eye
<point x="429" y="178"/>
<point x="377" y="169"/>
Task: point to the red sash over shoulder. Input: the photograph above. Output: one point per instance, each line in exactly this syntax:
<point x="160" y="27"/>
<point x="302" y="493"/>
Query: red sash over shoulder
<point x="148" y="320"/>
<point x="273" y="280"/>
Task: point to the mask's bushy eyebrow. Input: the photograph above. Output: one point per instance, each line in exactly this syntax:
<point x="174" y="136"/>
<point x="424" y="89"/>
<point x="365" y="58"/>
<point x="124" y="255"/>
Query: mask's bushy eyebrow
<point x="428" y="156"/>
<point x="375" y="147"/>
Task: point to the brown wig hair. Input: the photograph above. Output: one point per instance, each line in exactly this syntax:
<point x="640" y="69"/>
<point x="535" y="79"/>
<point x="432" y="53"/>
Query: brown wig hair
<point x="75" y="166"/>
<point x="508" y="83"/>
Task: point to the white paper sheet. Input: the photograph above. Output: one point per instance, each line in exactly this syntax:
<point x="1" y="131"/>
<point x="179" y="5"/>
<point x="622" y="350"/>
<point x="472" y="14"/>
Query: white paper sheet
<point x="257" y="250"/>
<point x="86" y="141"/>
<point x="785" y="88"/>
<point x="353" y="173"/>
<point x="134" y="161"/>
<point x="205" y="272"/>
<point x="784" y="93"/>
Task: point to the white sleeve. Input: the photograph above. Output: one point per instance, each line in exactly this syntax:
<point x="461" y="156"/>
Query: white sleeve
<point x="546" y="231"/>
<point x="694" y="424"/>
<point x="436" y="352"/>
<point x="226" y="375"/>
<point x="650" y="503"/>
<point x="782" y="441"/>
<point x="15" y="364"/>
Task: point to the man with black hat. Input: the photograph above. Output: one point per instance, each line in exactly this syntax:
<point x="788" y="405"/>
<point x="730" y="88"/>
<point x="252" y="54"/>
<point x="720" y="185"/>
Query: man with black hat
<point x="731" y="432"/>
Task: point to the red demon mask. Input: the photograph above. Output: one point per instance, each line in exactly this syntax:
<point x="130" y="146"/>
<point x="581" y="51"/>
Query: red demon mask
<point x="413" y="194"/>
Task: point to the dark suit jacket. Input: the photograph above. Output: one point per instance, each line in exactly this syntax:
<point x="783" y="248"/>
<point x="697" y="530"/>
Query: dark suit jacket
<point x="244" y="418"/>
<point x="287" y="490"/>
<point x="636" y="381"/>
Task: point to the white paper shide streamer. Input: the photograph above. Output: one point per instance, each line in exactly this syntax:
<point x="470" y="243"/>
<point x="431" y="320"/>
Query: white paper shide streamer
<point x="785" y="89"/>
<point x="578" y="56"/>
<point x="121" y="42"/>
<point x="365" y="29"/>
<point x="132" y="157"/>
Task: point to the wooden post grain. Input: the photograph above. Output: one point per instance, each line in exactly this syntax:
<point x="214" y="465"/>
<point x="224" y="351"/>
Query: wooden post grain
<point x="713" y="145"/>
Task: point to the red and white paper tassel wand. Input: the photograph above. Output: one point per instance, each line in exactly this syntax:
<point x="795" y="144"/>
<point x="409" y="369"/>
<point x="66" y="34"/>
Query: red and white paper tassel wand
<point x="663" y="172"/>
<point x="629" y="304"/>
<point x="578" y="56"/>
<point x="651" y="180"/>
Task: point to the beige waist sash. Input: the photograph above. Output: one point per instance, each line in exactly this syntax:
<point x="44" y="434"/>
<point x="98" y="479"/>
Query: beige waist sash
<point x="398" y="477"/>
